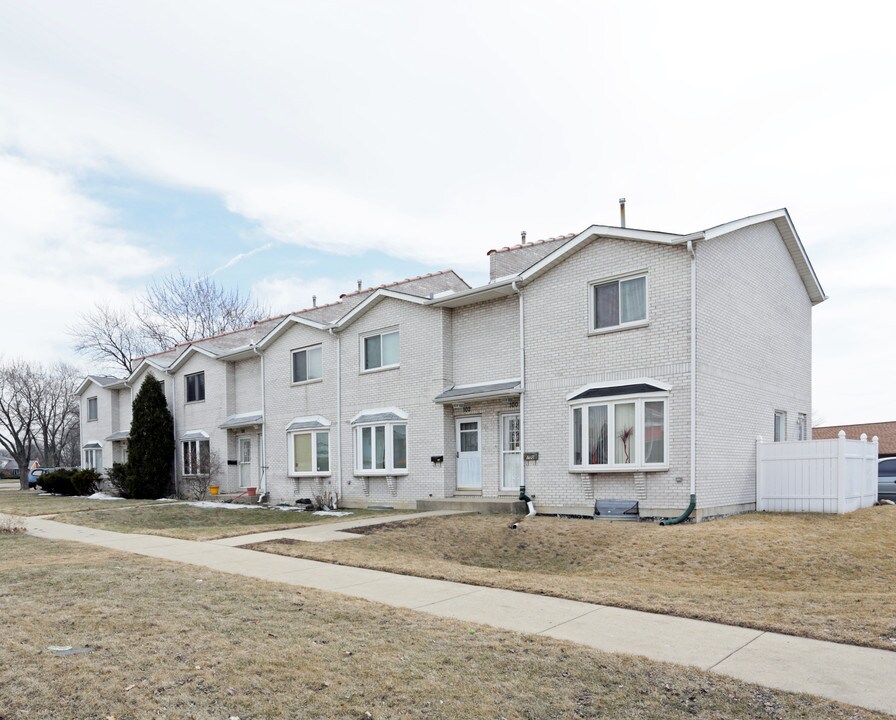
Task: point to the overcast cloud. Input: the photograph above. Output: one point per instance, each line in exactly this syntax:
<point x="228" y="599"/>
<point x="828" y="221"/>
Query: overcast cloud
<point x="432" y="133"/>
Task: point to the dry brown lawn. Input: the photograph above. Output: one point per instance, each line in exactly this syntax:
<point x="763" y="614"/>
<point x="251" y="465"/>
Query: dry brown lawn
<point x="193" y="523"/>
<point x="33" y="502"/>
<point x="819" y="576"/>
<point x="181" y="642"/>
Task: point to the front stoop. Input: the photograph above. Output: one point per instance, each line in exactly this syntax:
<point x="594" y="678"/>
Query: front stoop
<point x="485" y="506"/>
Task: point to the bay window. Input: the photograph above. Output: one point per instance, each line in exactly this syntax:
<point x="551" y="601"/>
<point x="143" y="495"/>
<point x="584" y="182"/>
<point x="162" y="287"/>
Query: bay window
<point x="619" y="428"/>
<point x="381" y="449"/>
<point x="309" y="453"/>
<point x="196" y="457"/>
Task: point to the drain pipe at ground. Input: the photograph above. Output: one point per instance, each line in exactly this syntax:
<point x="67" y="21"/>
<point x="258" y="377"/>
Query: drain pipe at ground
<point x="693" y="503"/>
<point x="525" y="498"/>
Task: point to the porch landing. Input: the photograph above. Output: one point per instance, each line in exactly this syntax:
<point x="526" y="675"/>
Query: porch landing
<point x="485" y="506"/>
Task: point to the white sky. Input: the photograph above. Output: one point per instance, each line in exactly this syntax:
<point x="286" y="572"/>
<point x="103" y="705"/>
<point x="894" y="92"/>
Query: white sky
<point x="434" y="132"/>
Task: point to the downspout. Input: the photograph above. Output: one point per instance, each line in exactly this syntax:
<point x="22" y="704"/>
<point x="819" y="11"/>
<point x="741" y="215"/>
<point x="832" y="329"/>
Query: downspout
<point x="525" y="498"/>
<point x="173" y="425"/>
<point x="693" y="503"/>
<point x="338" y="410"/>
<point x="262" y="451"/>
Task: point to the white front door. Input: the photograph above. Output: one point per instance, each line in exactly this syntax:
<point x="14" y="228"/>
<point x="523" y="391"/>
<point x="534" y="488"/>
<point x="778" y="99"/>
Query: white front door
<point x="469" y="455"/>
<point x="245" y="459"/>
<point x="511" y="461"/>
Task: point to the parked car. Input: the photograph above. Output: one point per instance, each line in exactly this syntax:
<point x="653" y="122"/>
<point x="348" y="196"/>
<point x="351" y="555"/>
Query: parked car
<point x="34" y="476"/>
<point x="886" y="479"/>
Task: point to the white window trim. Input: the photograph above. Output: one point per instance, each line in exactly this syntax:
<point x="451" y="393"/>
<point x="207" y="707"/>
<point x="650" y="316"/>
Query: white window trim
<point x="802" y="426"/>
<point x="291" y="452"/>
<point x="363" y="352"/>
<point x="198" y="460"/>
<point x="502" y="450"/>
<point x="621" y="326"/>
<point x="783" y="415"/>
<point x="638" y="465"/>
<point x="310" y="381"/>
<point x="96" y="404"/>
<point x="187" y="388"/>
<point x="389" y="470"/>
<point x="92" y="463"/>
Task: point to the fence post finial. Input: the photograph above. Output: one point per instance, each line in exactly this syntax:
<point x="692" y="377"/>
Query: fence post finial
<point x="841" y="434"/>
<point x="863" y="437"/>
<point x="874" y="439"/>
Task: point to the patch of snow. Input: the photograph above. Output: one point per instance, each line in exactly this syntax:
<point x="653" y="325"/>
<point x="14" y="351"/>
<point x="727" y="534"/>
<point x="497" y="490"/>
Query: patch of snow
<point x="103" y="496"/>
<point x="222" y="506"/>
<point x="334" y="513"/>
<point x="167" y="500"/>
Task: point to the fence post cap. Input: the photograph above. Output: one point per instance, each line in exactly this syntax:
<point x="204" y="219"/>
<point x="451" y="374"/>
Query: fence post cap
<point x="759" y="438"/>
<point x="874" y="439"/>
<point x="842" y="434"/>
<point x="863" y="437"/>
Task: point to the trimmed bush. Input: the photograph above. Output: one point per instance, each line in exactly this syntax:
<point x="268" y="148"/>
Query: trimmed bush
<point x="70" y="482"/>
<point x="151" y="444"/>
<point x="119" y="479"/>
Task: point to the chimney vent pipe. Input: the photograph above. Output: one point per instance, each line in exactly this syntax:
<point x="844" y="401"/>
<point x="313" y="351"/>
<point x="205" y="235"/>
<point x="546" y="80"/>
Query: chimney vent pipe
<point x="523" y="236"/>
<point x="621" y="212"/>
<point x="314" y="300"/>
<point x="359" y="285"/>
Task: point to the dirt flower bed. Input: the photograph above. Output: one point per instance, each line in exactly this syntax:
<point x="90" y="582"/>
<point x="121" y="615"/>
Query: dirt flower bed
<point x="822" y="576"/>
<point x="170" y="641"/>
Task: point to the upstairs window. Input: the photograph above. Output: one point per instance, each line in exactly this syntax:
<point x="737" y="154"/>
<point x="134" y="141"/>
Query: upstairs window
<point x="618" y="303"/>
<point x="306" y="364"/>
<point x="195" y="387"/>
<point x="91" y="409"/>
<point x="380" y="350"/>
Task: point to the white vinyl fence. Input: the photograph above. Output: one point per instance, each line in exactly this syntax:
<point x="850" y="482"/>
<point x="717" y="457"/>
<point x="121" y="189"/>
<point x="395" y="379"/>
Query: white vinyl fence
<point x="827" y="476"/>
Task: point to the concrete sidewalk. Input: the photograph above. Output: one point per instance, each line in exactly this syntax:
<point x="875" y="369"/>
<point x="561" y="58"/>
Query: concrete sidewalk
<point x="856" y="675"/>
<point x="327" y="532"/>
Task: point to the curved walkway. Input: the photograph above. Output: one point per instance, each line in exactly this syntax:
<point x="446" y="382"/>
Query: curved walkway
<point x="855" y="675"/>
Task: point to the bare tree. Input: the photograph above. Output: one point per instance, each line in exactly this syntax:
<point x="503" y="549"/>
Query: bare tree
<point x="56" y="413"/>
<point x="111" y="337"/>
<point x="180" y="309"/>
<point x="18" y="401"/>
<point x="172" y="310"/>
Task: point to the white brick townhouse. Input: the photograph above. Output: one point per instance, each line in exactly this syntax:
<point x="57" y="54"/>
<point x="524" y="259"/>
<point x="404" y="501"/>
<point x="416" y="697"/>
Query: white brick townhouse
<point x="612" y="364"/>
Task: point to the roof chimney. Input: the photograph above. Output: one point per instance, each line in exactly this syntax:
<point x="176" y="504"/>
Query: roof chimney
<point x="621" y="212"/>
<point x="314" y="300"/>
<point x="359" y="286"/>
<point x="523" y="236"/>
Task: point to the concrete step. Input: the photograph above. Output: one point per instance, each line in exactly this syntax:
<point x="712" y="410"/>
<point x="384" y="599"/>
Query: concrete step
<point x="485" y="506"/>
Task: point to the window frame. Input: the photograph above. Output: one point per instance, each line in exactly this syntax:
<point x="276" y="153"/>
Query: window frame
<point x="638" y="463"/>
<point x="94" y="454"/>
<point x="96" y="409"/>
<point x="783" y="437"/>
<point x="618" y="279"/>
<point x="389" y="451"/>
<point x="291" y="453"/>
<point x="363" y="369"/>
<point x="292" y="366"/>
<point x="802" y="424"/>
<point x="187" y="387"/>
<point x="198" y="472"/>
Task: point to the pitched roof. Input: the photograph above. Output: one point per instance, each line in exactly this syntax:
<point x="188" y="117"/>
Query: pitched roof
<point x="885" y="431"/>
<point x="221" y="344"/>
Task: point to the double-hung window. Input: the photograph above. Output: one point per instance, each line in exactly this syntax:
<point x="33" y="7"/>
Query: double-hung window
<point x="195" y="387"/>
<point x="617" y="303"/>
<point x="91" y="409"/>
<point x="380" y="350"/>
<point x="802" y="427"/>
<point x="622" y="427"/>
<point x="306" y="364"/>
<point x="381" y="443"/>
<point x="196" y="457"/>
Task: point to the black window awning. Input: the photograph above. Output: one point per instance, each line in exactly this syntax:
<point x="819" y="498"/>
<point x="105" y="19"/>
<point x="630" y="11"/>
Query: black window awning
<point x="616" y="390"/>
